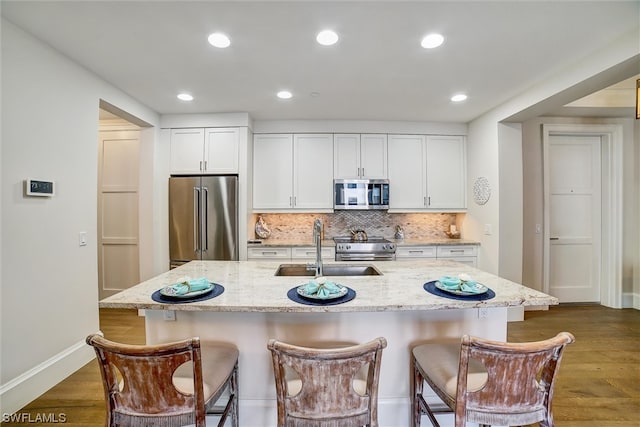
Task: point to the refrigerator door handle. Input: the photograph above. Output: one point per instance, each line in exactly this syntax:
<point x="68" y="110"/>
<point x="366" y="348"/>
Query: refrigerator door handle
<point x="196" y="218"/>
<point x="205" y="219"/>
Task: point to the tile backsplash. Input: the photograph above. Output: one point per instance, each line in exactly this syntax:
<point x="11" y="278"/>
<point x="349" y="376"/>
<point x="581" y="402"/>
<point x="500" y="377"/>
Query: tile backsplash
<point x="299" y="226"/>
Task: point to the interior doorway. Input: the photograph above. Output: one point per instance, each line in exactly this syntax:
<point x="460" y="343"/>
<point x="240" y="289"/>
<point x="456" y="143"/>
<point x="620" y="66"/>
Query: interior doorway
<point x="582" y="175"/>
<point x="118" y="201"/>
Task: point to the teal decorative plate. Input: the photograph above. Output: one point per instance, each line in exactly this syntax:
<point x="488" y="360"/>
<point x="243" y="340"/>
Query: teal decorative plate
<point x="303" y="293"/>
<point x="169" y="292"/>
<point x="479" y="290"/>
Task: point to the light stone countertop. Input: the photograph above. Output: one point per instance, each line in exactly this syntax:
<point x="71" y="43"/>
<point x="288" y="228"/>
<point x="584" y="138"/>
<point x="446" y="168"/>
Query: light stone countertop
<point x="250" y="286"/>
<point x="331" y="243"/>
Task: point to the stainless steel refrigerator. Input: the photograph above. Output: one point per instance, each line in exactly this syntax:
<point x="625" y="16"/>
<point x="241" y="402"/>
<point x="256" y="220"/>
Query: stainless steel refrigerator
<point x="203" y="218"/>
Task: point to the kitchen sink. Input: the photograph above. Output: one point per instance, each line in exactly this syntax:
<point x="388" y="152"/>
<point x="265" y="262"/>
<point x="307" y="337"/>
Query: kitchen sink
<point x="328" y="270"/>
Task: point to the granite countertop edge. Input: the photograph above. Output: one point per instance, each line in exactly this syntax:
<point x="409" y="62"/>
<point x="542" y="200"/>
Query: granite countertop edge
<point x="251" y="286"/>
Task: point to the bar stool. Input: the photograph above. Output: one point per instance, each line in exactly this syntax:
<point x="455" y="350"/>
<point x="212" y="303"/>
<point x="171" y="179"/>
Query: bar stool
<point x="327" y="389"/>
<point x="169" y="384"/>
<point x="488" y="382"/>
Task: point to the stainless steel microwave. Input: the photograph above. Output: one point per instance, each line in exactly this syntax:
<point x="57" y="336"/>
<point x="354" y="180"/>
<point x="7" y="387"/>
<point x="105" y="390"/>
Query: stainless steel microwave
<point x="361" y="194"/>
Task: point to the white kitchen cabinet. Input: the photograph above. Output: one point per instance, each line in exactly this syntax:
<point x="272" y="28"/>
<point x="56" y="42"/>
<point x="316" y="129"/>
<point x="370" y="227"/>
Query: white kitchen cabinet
<point x="293" y="172"/>
<point x="313" y="171"/>
<point x="446" y="172"/>
<point x="427" y="172"/>
<point x="269" y="253"/>
<point x="407" y="179"/>
<point x="308" y="253"/>
<point x="204" y="151"/>
<point x="466" y="254"/>
<point x="413" y="252"/>
<point x="290" y="253"/>
<point x="360" y="156"/>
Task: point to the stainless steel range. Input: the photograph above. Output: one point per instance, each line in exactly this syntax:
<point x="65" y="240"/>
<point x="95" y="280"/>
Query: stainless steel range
<point x="371" y="249"/>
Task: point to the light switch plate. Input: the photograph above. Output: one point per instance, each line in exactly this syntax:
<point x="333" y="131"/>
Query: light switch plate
<point x="487" y="229"/>
<point x="82" y="238"/>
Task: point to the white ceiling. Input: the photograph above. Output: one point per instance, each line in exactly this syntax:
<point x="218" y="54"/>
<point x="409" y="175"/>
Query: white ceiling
<point x="377" y="71"/>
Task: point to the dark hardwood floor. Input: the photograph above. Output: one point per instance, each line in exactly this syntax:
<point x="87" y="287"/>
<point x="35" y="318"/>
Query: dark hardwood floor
<point x="598" y="384"/>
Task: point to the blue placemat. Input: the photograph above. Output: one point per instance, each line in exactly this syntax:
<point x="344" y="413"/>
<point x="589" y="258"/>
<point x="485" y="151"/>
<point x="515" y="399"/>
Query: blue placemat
<point x="158" y="297"/>
<point x="295" y="297"/>
<point x="431" y="288"/>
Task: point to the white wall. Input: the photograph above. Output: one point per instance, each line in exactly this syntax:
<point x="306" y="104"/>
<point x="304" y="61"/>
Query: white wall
<point x="617" y="61"/>
<point x="49" y="284"/>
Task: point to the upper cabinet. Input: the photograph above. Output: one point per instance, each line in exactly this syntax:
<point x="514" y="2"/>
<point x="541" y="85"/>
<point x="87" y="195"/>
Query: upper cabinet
<point x="360" y="156"/>
<point x="427" y="172"/>
<point x="204" y="151"/>
<point x="293" y="172"/>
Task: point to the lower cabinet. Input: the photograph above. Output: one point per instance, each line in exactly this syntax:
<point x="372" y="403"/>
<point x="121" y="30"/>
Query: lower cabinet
<point x="303" y="253"/>
<point x="409" y="252"/>
<point x="269" y="253"/>
<point x="287" y="253"/>
<point x="466" y="254"/>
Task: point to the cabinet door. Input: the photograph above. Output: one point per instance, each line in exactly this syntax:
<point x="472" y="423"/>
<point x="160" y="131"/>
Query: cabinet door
<point x="446" y="172"/>
<point x="346" y="160"/>
<point x="406" y="172"/>
<point x="373" y="156"/>
<point x="186" y="151"/>
<point x="313" y="171"/>
<point x="221" y="150"/>
<point x="272" y="171"/>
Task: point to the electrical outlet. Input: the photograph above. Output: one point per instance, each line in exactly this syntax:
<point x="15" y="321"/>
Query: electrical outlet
<point x="483" y="313"/>
<point x="169" y="315"/>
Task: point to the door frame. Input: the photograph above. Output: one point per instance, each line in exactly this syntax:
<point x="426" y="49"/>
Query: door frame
<point x="611" y="204"/>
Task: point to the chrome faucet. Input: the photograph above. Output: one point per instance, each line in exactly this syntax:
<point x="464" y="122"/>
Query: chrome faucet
<point x="317" y="238"/>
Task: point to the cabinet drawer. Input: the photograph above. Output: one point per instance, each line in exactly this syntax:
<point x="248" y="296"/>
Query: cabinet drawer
<point x="269" y="253"/>
<point x="469" y="260"/>
<point x="309" y="253"/>
<point x="456" y="251"/>
<point x="415" y="252"/>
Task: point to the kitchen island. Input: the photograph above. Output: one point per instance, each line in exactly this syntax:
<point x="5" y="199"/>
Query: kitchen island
<point x="254" y="307"/>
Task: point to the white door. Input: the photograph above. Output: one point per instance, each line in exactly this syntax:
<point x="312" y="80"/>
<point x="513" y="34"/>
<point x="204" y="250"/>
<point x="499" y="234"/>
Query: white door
<point x="118" y="251"/>
<point x="574" y="229"/>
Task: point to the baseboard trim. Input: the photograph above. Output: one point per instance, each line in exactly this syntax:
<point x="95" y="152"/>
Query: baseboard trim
<point x="631" y="300"/>
<point x="18" y="392"/>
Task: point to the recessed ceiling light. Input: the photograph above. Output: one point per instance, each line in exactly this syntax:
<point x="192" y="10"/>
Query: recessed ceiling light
<point x="327" y="37"/>
<point x="185" y="97"/>
<point x="284" y="94"/>
<point x="459" y="97"/>
<point x="432" y="40"/>
<point x="219" y="40"/>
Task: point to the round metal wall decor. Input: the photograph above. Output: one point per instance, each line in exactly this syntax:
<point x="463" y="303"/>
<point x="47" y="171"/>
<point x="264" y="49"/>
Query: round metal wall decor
<point x="481" y="190"/>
